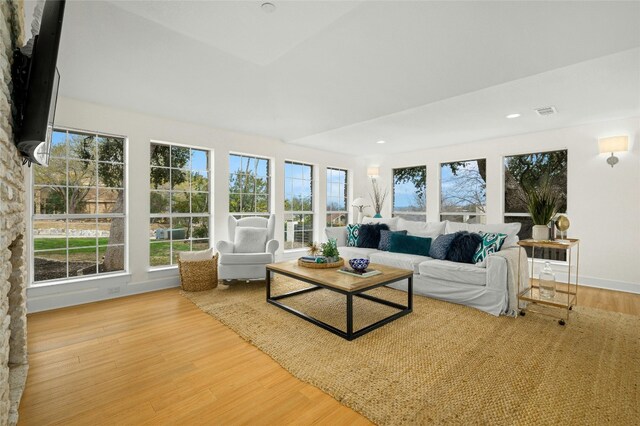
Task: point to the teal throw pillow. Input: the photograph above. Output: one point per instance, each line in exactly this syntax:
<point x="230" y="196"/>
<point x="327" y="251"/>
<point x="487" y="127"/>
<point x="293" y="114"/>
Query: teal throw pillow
<point x="410" y="244"/>
<point x="491" y="243"/>
<point x="352" y="235"/>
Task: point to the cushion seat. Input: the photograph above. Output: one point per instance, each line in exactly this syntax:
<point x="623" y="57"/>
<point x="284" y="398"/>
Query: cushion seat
<point x="399" y="260"/>
<point x="245" y="258"/>
<point x="350" y="252"/>
<point x="451" y="271"/>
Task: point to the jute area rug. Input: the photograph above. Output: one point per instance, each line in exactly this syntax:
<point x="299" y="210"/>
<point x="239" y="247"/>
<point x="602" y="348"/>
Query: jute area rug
<point x="446" y="363"/>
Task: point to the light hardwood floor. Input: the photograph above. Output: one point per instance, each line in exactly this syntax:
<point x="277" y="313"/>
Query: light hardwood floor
<point x="157" y="359"/>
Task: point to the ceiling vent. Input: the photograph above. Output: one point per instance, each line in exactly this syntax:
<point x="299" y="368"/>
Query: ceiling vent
<point x="545" y="111"/>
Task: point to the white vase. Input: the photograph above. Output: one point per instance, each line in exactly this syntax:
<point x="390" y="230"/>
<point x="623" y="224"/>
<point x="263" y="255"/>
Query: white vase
<point x="540" y="232"/>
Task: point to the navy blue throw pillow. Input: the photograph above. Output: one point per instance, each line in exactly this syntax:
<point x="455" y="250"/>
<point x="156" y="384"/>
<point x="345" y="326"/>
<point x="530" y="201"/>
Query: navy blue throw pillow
<point x="369" y="235"/>
<point x="463" y="247"/>
<point x="440" y="246"/>
<point x="410" y="244"/>
<point x="385" y="239"/>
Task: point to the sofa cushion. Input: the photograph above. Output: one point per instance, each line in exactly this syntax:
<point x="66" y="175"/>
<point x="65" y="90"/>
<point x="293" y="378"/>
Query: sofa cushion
<point x="453" y="272"/>
<point x="463" y="247"/>
<point x="245" y="258"/>
<point x="250" y="240"/>
<point x="421" y="229"/>
<point x="392" y="223"/>
<point x="352" y="235"/>
<point x="352" y="252"/>
<point x="338" y="233"/>
<point x="511" y="229"/>
<point x="369" y="234"/>
<point x="385" y="239"/>
<point x="491" y="243"/>
<point x="398" y="260"/>
<point x="410" y="244"/>
<point x="440" y="246"/>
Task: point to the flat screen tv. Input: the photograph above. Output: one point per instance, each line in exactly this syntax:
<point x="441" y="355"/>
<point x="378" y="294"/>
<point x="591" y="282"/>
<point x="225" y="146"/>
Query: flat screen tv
<point x="36" y="81"/>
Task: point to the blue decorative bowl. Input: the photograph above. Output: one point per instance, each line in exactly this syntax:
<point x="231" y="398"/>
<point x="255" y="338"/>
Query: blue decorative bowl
<point x="359" y="264"/>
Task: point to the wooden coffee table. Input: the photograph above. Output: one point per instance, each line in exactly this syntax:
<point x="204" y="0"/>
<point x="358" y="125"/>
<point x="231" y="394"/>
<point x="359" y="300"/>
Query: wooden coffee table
<point x="348" y="285"/>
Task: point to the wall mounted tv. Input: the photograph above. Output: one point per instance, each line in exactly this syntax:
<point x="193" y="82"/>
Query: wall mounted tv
<point x="35" y="86"/>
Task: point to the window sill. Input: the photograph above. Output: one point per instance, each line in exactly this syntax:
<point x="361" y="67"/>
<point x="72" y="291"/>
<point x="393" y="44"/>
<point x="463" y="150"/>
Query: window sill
<point x="80" y="279"/>
<point x="161" y="269"/>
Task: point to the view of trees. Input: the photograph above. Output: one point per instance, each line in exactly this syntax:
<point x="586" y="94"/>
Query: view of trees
<point x="337" y="191"/>
<point x="463" y="190"/>
<point x="410" y="192"/>
<point x="248" y="184"/>
<point x="298" y="204"/>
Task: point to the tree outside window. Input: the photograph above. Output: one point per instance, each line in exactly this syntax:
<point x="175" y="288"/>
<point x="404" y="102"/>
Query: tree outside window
<point x="298" y="205"/>
<point x="337" y="193"/>
<point x="463" y="191"/>
<point x="410" y="193"/>
<point x="249" y="186"/>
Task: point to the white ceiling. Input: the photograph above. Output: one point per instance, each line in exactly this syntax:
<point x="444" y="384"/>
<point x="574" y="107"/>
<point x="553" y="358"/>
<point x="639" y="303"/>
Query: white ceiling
<point x="342" y="75"/>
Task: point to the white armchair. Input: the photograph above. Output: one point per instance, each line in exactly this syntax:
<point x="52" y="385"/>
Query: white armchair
<point x="251" y="248"/>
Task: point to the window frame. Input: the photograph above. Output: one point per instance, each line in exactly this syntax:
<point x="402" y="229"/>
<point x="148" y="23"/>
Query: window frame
<point x="32" y="217"/>
<point x="208" y="215"/>
<point x="444" y="215"/>
<point x="311" y="212"/>
<point x="239" y="215"/>
<point x="505" y="214"/>
<point x="403" y="214"/>
<point x="347" y="187"/>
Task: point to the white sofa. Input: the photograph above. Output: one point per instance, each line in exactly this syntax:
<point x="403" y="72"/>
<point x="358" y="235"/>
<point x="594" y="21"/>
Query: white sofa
<point x="482" y="287"/>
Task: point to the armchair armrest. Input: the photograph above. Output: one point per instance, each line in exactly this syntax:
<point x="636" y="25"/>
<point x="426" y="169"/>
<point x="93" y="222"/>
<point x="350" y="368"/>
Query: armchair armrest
<point x="224" y="247"/>
<point x="272" y="247"/>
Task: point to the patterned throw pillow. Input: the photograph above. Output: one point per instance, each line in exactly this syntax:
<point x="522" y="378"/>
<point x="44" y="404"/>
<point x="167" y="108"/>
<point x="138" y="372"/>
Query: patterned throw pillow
<point x="491" y="243"/>
<point x="440" y="246"/>
<point x="385" y="239"/>
<point x="352" y="235"/>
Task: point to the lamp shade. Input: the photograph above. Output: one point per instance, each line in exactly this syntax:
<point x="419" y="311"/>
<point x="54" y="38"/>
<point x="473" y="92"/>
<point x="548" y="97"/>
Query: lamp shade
<point x="373" y="172"/>
<point x="359" y="202"/>
<point x="613" y="144"/>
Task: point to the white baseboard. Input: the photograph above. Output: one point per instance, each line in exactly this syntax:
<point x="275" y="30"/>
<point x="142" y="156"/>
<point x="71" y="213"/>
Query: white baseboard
<point x="623" y="286"/>
<point x="62" y="295"/>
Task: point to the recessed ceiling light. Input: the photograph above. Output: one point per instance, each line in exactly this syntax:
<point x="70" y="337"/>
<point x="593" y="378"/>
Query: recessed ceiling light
<point x="516" y="115"/>
<point x="380" y="142"/>
<point x="268" y="7"/>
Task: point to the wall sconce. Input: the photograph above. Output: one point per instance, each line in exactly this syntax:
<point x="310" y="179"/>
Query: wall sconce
<point x="613" y="144"/>
<point x="373" y="172"/>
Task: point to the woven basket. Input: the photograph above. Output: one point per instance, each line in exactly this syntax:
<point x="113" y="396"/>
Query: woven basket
<point x="199" y="275"/>
<point x="310" y="265"/>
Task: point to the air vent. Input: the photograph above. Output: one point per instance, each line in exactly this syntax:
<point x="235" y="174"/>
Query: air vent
<point x="544" y="111"/>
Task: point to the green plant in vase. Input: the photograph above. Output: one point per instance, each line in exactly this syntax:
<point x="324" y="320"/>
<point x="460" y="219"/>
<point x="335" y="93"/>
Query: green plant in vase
<point x="330" y="250"/>
<point x="543" y="205"/>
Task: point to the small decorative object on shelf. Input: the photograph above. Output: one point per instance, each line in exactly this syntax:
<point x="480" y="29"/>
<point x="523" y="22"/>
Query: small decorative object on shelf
<point x="359" y="264"/>
<point x="562" y="224"/>
<point x="547" y="282"/>
<point x="545" y="290"/>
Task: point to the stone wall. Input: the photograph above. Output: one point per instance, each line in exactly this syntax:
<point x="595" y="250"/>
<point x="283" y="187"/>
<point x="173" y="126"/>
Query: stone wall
<point x="13" y="343"/>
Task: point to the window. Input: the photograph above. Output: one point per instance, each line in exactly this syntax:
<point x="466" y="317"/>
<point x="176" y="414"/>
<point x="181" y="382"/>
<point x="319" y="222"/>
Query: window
<point x="78" y="222"/>
<point x="179" y="202"/>
<point x="463" y="191"/>
<point x="337" y="193"/>
<point x="529" y="171"/>
<point x="298" y="205"/>
<point x="249" y="183"/>
<point x="410" y="193"/>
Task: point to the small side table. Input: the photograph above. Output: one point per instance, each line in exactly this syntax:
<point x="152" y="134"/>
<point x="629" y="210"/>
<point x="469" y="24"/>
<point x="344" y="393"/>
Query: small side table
<point x="565" y="298"/>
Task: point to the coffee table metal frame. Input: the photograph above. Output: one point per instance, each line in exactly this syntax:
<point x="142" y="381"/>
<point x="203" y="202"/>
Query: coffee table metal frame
<point x="350" y="334"/>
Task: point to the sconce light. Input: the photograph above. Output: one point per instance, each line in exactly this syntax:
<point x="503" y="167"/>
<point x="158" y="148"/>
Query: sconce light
<point x="373" y="172"/>
<point x="613" y="144"/>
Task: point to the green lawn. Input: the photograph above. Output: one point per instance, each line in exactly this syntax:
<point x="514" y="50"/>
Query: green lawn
<point x="61" y="243"/>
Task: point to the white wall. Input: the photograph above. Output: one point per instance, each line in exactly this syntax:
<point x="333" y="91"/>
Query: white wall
<point x="603" y="202"/>
<point x="140" y="129"/>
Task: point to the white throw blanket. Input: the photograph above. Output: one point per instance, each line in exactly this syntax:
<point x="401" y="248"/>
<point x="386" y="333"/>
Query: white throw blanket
<point x="515" y="258"/>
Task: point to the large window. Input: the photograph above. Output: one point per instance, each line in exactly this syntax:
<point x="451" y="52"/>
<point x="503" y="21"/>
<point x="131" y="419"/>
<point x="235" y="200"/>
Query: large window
<point x="522" y="172"/>
<point x="249" y="186"/>
<point x="337" y="193"/>
<point x="179" y="202"/>
<point x="463" y="191"/>
<point x="410" y="193"/>
<point x="298" y="205"/>
<point x="78" y="222"/>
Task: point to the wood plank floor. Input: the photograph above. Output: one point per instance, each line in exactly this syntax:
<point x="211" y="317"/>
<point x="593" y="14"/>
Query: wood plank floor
<point x="157" y="359"/>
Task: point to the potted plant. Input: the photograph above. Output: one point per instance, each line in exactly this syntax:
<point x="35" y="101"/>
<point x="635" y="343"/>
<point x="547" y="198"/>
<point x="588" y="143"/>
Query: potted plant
<point x="378" y="197"/>
<point x="330" y="250"/>
<point x="543" y="205"/>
